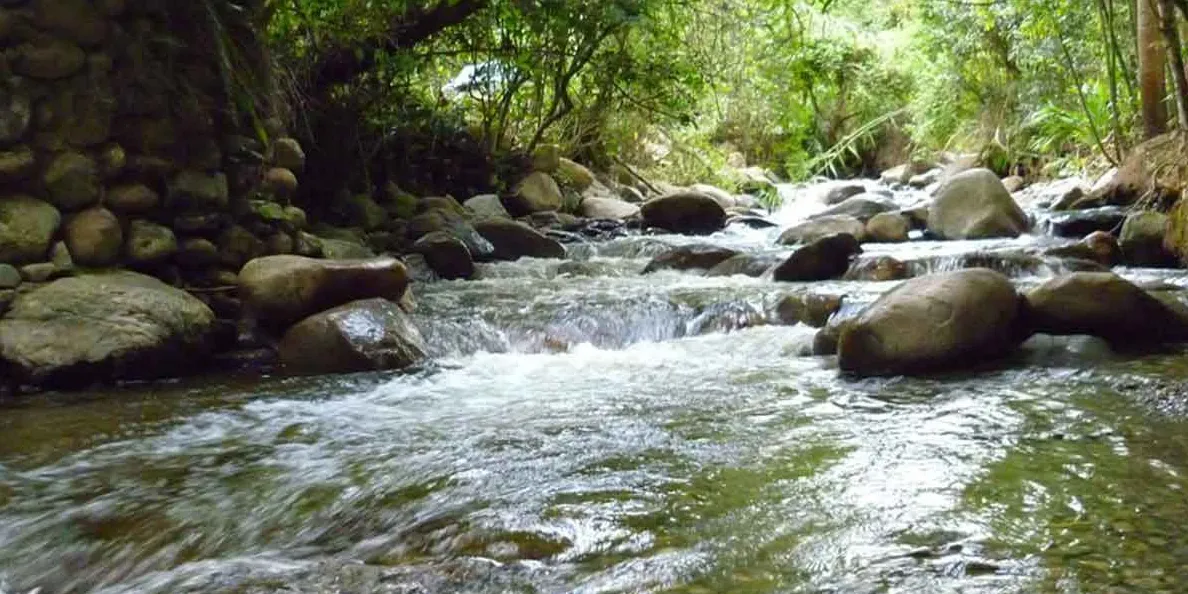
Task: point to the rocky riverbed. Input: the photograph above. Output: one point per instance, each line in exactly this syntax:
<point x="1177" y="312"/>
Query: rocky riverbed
<point x="574" y="424"/>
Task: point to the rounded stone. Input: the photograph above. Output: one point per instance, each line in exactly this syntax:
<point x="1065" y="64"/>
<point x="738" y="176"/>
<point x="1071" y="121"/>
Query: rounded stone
<point x="279" y="243"/>
<point x="17" y="164"/>
<point x="49" y="59"/>
<point x="112" y="160"/>
<point x="72" y="181"/>
<point x="149" y="243"/>
<point x="288" y="154"/>
<point x="197" y="252"/>
<point x="26" y="227"/>
<point x="10" y="277"/>
<point x="132" y="198"/>
<point x="279" y="182"/>
<point x="94" y="237"/>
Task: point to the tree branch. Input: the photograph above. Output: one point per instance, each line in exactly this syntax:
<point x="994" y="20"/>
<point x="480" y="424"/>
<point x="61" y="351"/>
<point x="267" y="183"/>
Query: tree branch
<point x="341" y="64"/>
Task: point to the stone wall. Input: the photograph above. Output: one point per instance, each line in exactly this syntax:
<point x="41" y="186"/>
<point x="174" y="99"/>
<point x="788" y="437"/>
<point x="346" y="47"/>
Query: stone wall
<point x="116" y="150"/>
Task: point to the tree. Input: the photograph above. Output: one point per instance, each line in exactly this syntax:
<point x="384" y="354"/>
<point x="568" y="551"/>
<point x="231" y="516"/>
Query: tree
<point x="1152" y="85"/>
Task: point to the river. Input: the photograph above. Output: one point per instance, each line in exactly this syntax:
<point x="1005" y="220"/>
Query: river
<point x="587" y="429"/>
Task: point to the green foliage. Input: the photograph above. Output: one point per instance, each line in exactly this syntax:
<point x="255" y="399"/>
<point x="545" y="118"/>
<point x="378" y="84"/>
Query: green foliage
<point x="691" y="90"/>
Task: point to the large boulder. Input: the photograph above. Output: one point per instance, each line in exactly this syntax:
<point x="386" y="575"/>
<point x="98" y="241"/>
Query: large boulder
<point x="513" y="240"/>
<point x="975" y="205"/>
<point x="940" y="321"/>
<point x="888" y="227"/>
<point x="536" y="193"/>
<point x="823" y="259"/>
<point x="810" y="231"/>
<point x="446" y="255"/>
<point x="862" y="207"/>
<point x="487" y="205"/>
<point x="1105" y="305"/>
<point x="72" y="181"/>
<point x="366" y="335"/>
<point x="119" y="325"/>
<point x="1142" y="240"/>
<point x="280" y="290"/>
<point x="94" y="237"/>
<point x="26" y="227"/>
<point x="599" y="207"/>
<point x="455" y="225"/>
<point x="691" y="213"/>
<point x="574" y="174"/>
<point x="722" y="197"/>
<point x="690" y="257"/>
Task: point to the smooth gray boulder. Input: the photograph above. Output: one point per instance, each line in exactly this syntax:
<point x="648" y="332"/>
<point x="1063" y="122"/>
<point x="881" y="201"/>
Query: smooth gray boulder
<point x="975" y="205"/>
<point x="118" y="325"/>
<point x="366" y="335"/>
<point x="941" y="321"/>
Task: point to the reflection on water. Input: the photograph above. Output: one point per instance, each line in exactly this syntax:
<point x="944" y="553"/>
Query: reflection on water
<point x="590" y="430"/>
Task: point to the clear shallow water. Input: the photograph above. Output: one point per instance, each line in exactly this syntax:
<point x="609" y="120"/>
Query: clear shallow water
<point x="586" y="429"/>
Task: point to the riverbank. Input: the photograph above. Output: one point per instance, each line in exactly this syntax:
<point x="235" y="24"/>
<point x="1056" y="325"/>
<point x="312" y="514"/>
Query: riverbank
<point x="301" y="315"/>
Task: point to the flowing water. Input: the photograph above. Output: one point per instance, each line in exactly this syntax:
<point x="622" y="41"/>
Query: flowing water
<point x="586" y="429"/>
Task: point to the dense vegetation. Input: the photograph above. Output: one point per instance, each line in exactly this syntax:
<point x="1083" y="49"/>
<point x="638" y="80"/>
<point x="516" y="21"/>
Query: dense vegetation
<point x="683" y="88"/>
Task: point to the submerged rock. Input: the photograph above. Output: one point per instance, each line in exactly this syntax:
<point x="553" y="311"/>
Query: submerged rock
<point x="280" y="290"/>
<point x="691" y="213"/>
<point x="119" y="325"/>
<point x="843" y="192"/>
<point x="1098" y="247"/>
<point x="934" y="322"/>
<point x="862" y="207"/>
<point x="809" y="309"/>
<point x="690" y="257"/>
<point x="975" y="205"/>
<point x="824" y="259"/>
<point x="1079" y="223"/>
<point x="880" y="269"/>
<point x="367" y="335"/>
<point x="1105" y="305"/>
<point x="753" y="265"/>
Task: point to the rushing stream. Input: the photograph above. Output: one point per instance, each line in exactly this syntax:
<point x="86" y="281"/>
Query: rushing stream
<point x="587" y="429"/>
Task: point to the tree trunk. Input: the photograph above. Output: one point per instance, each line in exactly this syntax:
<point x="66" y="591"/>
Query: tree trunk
<point x="1171" y="37"/>
<point x="1152" y="85"/>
